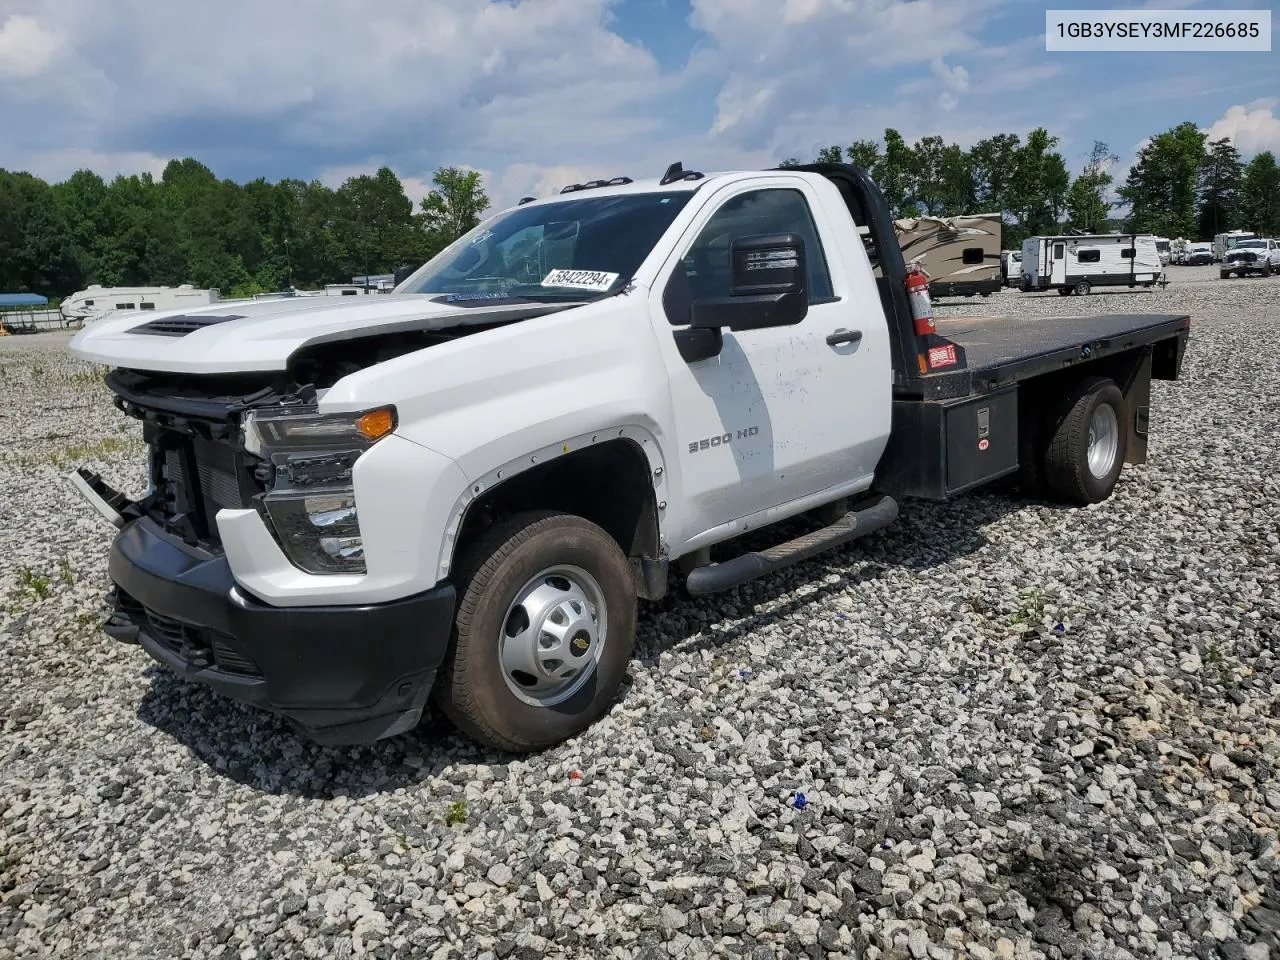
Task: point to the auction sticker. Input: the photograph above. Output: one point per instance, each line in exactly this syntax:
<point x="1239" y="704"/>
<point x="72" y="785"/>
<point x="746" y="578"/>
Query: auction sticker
<point x="580" y="279"/>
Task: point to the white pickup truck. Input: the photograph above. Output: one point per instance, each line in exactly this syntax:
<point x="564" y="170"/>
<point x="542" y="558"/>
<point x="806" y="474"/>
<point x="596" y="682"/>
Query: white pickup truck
<point x="458" y="491"/>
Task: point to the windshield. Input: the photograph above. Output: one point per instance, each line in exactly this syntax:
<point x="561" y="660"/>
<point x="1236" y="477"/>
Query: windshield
<point x="1251" y="243"/>
<point x="571" y="250"/>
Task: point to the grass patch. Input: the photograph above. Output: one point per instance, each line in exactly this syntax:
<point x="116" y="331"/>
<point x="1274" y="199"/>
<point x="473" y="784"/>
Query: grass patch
<point x="75" y="453"/>
<point x="455" y="813"/>
<point x="35" y="583"/>
<point x="65" y="572"/>
<point x="91" y="376"/>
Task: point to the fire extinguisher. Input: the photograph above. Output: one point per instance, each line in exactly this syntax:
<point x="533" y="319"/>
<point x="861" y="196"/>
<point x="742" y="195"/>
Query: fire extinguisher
<point x="918" y="295"/>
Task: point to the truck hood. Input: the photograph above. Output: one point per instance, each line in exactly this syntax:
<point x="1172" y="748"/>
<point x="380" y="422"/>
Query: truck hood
<point x="261" y="335"/>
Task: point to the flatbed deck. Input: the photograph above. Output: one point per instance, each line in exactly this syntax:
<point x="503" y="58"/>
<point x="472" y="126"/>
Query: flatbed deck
<point x="1005" y="349"/>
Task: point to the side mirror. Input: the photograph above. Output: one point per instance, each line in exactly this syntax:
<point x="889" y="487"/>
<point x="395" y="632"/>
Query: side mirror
<point x="404" y="272"/>
<point x="767" y="277"/>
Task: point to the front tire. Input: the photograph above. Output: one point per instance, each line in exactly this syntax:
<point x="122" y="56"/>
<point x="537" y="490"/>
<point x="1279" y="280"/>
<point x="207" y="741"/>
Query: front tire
<point x="544" y="632"/>
<point x="1224" y="274"/>
<point x="1087" y="446"/>
<point x="1266" y="269"/>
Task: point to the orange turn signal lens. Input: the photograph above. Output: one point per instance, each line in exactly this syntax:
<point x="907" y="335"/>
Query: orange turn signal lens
<point x="376" y="424"/>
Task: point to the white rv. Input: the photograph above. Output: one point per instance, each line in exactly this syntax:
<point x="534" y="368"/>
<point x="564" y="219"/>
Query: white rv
<point x="1163" y="249"/>
<point x="1077" y="264"/>
<point x="1222" y="242"/>
<point x="97" y="301"/>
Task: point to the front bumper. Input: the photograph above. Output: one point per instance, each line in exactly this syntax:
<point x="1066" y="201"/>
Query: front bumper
<point x="343" y="674"/>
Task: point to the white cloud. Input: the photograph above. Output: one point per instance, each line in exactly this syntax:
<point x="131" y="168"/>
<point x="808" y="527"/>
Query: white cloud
<point x="55" y="165"/>
<point x="26" y="48"/>
<point x="780" y="70"/>
<point x="1252" y="127"/>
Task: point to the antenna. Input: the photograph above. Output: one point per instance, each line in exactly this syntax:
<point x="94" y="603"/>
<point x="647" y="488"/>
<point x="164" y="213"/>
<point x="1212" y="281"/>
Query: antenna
<point x="674" y="172"/>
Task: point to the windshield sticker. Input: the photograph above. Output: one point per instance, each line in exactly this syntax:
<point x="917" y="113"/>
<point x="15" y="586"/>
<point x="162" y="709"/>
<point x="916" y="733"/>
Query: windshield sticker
<point x="580" y="279"/>
<point x="481" y="237"/>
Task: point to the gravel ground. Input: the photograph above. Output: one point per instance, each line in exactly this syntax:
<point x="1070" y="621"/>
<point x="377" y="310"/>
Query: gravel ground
<point x="1021" y="731"/>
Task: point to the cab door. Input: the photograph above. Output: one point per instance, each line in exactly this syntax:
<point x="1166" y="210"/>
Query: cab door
<point x="778" y="414"/>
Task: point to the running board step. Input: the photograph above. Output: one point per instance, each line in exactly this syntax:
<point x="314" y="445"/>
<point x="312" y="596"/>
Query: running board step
<point x="868" y="518"/>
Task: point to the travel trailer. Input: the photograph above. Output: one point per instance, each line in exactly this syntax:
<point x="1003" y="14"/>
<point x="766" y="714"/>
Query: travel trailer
<point x="1077" y="264"/>
<point x="961" y="254"/>
<point x="1163" y="249"/>
<point x="97" y="301"/>
<point x="1011" y="267"/>
<point x="1223" y="242"/>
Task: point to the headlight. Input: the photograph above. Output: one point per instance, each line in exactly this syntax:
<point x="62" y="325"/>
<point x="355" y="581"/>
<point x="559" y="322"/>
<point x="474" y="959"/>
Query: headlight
<point x="311" y="504"/>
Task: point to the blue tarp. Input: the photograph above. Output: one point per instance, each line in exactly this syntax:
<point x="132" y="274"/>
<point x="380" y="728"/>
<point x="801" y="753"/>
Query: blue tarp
<point x="22" y="300"/>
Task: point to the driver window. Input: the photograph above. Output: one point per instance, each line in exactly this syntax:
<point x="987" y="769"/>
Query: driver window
<point x="773" y="210"/>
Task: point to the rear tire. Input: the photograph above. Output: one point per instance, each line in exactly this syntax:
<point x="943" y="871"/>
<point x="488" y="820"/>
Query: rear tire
<point x="1086" y="448"/>
<point x="551" y="592"/>
<point x="1082" y="288"/>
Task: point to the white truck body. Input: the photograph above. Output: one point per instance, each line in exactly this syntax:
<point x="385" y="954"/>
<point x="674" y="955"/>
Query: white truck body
<point x="577" y="396"/>
<point x="1079" y="263"/>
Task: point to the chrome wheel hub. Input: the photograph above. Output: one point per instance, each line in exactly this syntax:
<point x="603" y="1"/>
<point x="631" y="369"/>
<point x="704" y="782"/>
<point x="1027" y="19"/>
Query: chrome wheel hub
<point x="1104" y="440"/>
<point x="553" y="635"/>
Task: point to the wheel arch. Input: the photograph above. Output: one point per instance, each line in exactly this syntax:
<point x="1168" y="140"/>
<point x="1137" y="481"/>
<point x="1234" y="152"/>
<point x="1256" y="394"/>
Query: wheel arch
<point x="611" y="477"/>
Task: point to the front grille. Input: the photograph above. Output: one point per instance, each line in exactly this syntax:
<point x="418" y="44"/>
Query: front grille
<point x="197" y="478"/>
<point x="216" y="485"/>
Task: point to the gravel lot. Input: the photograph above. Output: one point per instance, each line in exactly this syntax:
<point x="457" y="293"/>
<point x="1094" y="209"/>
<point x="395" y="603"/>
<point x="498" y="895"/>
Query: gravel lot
<point x="1021" y="731"/>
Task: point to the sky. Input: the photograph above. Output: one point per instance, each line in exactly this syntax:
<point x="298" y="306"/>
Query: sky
<point x="536" y="94"/>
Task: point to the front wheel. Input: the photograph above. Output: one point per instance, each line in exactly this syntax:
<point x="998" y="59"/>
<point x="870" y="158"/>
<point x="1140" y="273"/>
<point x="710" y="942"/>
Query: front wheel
<point x="1266" y="269"/>
<point x="1224" y="274"/>
<point x="544" y="632"/>
<point x="1087" y="446"/>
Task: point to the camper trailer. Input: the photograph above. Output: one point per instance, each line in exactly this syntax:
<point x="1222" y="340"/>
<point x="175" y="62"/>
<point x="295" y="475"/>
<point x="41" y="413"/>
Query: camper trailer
<point x="961" y="255"/>
<point x="97" y="301"/>
<point x="1011" y="267"/>
<point x="1077" y="264"/>
<point x="1163" y="249"/>
<point x="1223" y="242"/>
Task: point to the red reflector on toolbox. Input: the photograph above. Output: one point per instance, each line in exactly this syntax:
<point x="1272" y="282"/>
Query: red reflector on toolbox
<point x="944" y="356"/>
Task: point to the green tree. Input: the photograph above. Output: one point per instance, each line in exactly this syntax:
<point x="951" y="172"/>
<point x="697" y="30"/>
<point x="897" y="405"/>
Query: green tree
<point x="895" y="175"/>
<point x="991" y="164"/>
<point x="1161" y="186"/>
<point x="454" y="206"/>
<point x="1219" y="180"/>
<point x="863" y="153"/>
<point x="1260" y="195"/>
<point x="1087" y="203"/>
<point x="1037" y="187"/>
<point x="831" y="155"/>
<point x="374" y="223"/>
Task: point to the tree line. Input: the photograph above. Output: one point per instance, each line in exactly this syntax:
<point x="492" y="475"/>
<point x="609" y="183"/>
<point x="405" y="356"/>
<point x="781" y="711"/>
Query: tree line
<point x="190" y="227"/>
<point x="1181" y="184"/>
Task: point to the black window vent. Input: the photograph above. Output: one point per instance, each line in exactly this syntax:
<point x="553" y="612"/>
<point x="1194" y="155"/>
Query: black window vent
<point x="181" y="326"/>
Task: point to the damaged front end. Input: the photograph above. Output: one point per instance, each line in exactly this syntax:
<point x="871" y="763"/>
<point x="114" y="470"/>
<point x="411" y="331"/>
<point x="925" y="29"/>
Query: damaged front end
<point x="242" y="446"/>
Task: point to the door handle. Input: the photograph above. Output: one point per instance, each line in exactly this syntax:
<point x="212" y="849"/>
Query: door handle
<point x="837" y="337"/>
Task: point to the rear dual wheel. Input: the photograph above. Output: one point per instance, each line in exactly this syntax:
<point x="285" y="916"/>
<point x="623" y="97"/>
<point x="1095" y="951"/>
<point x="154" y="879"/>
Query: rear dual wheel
<point x="1076" y="453"/>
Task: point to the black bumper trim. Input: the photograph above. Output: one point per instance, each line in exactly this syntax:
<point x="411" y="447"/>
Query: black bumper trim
<point x="345" y="674"/>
